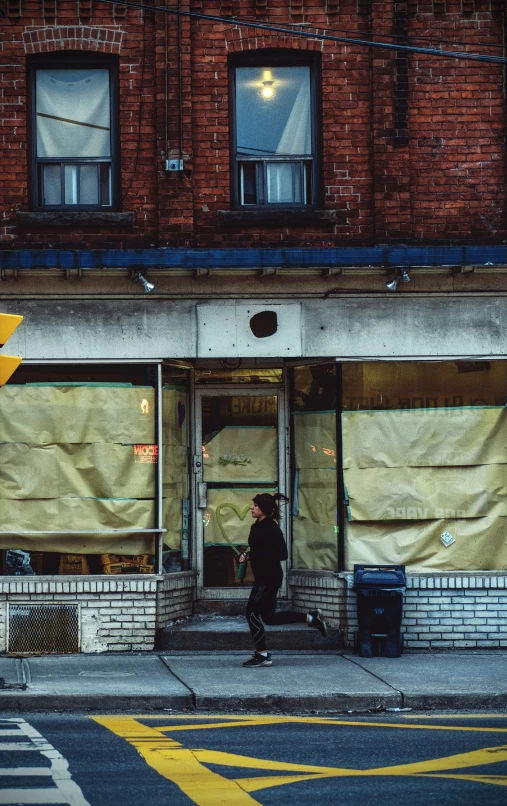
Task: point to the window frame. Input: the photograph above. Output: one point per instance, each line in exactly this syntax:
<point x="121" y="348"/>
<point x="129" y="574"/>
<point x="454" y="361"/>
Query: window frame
<point x="270" y="57"/>
<point x="72" y="60"/>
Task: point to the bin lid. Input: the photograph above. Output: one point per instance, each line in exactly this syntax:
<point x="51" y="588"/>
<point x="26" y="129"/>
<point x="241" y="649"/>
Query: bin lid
<point x="379" y="576"/>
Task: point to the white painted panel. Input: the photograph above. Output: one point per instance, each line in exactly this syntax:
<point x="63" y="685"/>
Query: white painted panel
<point x="103" y="329"/>
<point x="395" y="326"/>
<point x="406" y="327"/>
<point x="216" y="330"/>
<point x="224" y="330"/>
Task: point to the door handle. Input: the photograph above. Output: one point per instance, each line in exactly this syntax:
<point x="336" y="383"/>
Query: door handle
<point x="202" y="495"/>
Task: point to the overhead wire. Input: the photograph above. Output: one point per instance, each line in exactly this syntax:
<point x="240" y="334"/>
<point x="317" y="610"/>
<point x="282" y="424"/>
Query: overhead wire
<point x="315" y="34"/>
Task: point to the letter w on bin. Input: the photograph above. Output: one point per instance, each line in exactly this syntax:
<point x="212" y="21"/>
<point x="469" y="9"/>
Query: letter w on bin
<point x="380" y="590"/>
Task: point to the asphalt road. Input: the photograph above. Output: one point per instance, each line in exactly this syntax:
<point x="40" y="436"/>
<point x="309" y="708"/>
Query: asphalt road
<point x="182" y="759"/>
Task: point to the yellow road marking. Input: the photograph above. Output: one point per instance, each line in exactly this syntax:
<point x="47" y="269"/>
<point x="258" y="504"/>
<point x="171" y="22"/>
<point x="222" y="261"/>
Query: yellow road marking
<point x="187" y="767"/>
<point x="313" y="720"/>
<point x="178" y="764"/>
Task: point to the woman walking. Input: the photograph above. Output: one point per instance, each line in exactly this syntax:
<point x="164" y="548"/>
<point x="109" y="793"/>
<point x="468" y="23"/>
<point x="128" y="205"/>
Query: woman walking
<point x="267" y="551"/>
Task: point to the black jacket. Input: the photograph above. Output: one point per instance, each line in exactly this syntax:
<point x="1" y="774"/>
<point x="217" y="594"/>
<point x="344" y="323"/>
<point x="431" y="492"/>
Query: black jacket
<point x="267" y="550"/>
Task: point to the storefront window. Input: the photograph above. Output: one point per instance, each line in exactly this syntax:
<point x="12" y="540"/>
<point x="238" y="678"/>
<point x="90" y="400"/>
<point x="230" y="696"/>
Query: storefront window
<point x="175" y="492"/>
<point x="78" y="463"/>
<point x="314" y="505"/>
<point x="243" y="375"/>
<point x="424" y="457"/>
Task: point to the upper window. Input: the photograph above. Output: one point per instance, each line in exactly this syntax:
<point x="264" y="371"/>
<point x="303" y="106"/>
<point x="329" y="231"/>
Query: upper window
<point x="72" y="134"/>
<point x="274" y="141"/>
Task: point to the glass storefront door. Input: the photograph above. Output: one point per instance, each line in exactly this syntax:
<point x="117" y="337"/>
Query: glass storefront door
<point x="240" y="451"/>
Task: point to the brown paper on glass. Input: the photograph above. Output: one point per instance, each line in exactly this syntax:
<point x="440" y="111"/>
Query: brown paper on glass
<point x="73" y="513"/>
<point x="28" y="471"/>
<point x="315" y="439"/>
<point x="175" y="463"/>
<point x="130" y="544"/>
<point x="317" y="495"/>
<point x="174" y="417"/>
<point x="314" y="545"/>
<point x="92" y="470"/>
<point x="172" y="515"/>
<point x="228" y="512"/>
<point x="481" y="544"/>
<point x="78" y="414"/>
<point x="242" y="454"/>
<point x="424" y="493"/>
<point x="425" y="437"/>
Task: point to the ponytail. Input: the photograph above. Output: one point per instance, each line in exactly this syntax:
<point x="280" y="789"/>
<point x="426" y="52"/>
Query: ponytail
<point x="269" y="504"/>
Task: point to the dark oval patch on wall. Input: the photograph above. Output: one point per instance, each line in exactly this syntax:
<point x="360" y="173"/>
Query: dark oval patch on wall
<point x="264" y="324"/>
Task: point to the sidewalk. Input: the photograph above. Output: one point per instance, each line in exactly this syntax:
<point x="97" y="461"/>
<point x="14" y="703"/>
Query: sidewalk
<point x="296" y="682"/>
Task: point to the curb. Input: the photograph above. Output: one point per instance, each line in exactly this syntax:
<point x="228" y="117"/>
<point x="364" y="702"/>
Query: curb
<point x="336" y="702"/>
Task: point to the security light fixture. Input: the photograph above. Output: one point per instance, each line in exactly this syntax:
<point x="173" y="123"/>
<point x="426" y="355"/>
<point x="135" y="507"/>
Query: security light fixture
<point x="402" y="275"/>
<point x="144" y="282"/>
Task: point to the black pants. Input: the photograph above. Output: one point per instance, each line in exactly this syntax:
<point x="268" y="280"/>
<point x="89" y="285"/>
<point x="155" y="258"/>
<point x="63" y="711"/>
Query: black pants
<point x="261" y="608"/>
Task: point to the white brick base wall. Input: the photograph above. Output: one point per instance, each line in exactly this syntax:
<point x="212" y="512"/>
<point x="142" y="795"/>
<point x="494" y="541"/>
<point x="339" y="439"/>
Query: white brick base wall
<point x="116" y="613"/>
<point x="322" y="590"/>
<point x="455" y="611"/>
<point x="451" y="611"/>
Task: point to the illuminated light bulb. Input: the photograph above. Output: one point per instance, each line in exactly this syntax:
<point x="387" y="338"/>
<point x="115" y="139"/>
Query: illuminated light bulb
<point x="267" y="84"/>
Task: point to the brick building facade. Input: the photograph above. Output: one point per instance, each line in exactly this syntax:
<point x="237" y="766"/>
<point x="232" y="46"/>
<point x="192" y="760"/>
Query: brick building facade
<point x="392" y="167"/>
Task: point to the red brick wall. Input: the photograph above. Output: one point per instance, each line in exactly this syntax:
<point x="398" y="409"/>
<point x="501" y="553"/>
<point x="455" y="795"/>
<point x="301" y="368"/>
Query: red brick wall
<point x="413" y="146"/>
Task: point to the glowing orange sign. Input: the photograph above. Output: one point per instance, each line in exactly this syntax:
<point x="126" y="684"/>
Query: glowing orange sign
<point x="146" y="454"/>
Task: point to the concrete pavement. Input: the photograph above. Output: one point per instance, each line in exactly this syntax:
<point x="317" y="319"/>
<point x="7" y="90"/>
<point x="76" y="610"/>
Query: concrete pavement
<point x="296" y="682"/>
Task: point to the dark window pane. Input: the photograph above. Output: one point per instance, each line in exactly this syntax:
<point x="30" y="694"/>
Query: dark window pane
<point x="247" y="182"/>
<point x="308" y="198"/>
<point x="105" y="184"/>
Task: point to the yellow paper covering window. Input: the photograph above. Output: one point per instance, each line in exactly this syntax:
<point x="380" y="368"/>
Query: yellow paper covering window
<point x="411" y="475"/>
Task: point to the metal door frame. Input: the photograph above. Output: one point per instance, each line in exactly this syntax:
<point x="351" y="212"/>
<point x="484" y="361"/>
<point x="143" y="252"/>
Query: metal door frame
<point x="237" y="390"/>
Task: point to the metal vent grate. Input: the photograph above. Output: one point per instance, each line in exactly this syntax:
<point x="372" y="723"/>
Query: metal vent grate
<point x="47" y="628"/>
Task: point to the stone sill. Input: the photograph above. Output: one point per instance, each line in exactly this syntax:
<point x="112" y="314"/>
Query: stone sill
<point x="288" y="217"/>
<point x="451" y="580"/>
<point x="103" y="583"/>
<point x="68" y="218"/>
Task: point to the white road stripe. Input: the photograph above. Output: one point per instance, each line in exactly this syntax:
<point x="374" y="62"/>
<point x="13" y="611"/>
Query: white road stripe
<point x="24" y="771"/>
<point x="66" y="790"/>
<point x="21" y="796"/>
<point x="19" y="746"/>
<point x="14" y="732"/>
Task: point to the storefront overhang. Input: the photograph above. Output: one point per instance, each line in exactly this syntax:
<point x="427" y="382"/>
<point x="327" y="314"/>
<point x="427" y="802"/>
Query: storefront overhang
<point x="384" y="256"/>
<point x="369" y="327"/>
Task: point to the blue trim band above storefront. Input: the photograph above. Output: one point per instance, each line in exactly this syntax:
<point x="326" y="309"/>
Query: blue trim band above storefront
<point x="303" y="258"/>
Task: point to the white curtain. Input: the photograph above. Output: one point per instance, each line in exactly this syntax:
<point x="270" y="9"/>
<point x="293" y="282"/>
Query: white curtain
<point x="296" y="136"/>
<point x="73" y="115"/>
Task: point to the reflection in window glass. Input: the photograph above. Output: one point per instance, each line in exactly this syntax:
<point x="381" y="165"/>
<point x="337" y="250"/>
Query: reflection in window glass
<point x="240" y="459"/>
<point x="418" y="385"/>
<point x="256" y="375"/>
<point x="72" y="113"/>
<point x="273" y="111"/>
<point x="315" y="488"/>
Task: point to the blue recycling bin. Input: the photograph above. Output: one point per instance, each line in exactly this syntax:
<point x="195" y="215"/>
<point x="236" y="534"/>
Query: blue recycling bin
<point x="380" y="590"/>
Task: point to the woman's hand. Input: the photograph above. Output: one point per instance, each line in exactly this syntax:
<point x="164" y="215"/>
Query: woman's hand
<point x="243" y="557"/>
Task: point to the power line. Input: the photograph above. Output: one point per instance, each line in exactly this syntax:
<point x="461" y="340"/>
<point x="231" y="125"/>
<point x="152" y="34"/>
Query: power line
<point x="448" y="54"/>
<point x="406" y="37"/>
